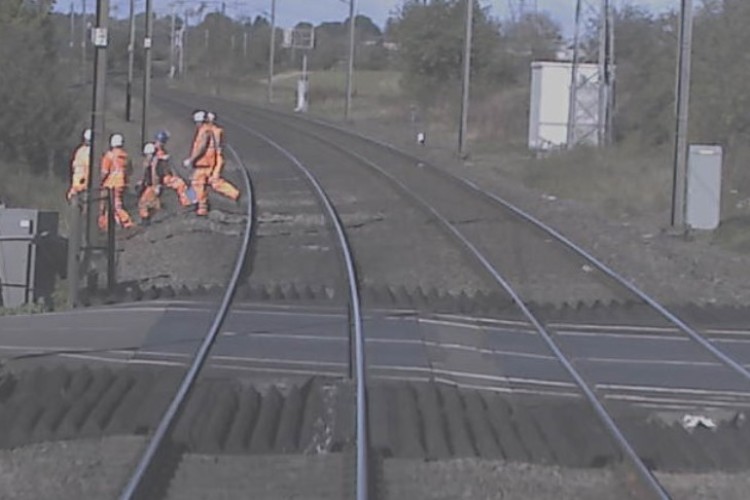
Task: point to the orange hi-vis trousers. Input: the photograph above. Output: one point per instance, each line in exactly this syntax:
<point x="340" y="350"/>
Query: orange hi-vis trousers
<point x="221" y="185"/>
<point x="148" y="202"/>
<point x="178" y="185"/>
<point x="78" y="185"/>
<point x="121" y="215"/>
<point x="200" y="182"/>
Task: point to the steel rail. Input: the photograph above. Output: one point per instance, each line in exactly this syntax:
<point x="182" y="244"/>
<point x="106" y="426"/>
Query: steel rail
<point x="671" y="317"/>
<point x="645" y="474"/>
<point x="133" y="488"/>
<point x="362" y="436"/>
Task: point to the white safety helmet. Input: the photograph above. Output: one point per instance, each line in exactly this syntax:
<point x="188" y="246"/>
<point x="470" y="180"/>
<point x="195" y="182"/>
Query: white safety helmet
<point x="149" y="148"/>
<point x="87" y="135"/>
<point x="116" y="141"/>
<point x="199" y="116"/>
<point x="211" y="116"/>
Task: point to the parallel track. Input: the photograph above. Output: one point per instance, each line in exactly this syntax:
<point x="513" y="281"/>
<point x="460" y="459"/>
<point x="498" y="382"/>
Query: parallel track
<point x="647" y="478"/>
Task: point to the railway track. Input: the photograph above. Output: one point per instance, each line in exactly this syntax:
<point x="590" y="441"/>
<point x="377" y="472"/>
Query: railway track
<point x="373" y="423"/>
<point x="437" y="201"/>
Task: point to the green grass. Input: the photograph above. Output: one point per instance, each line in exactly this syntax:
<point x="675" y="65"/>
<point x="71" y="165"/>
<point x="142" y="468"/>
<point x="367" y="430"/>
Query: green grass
<point x="21" y="189"/>
<point x="366" y="83"/>
<point x="618" y="181"/>
<point x="24" y="309"/>
<point x="376" y="93"/>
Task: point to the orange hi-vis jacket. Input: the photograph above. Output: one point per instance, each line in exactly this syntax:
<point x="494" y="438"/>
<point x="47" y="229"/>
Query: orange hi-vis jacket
<point x="80" y="165"/>
<point x="115" y="168"/>
<point x="218" y="133"/>
<point x="205" y="148"/>
<point x="161" y="153"/>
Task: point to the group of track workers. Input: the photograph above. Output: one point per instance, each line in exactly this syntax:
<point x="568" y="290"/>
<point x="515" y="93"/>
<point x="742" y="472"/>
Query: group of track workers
<point x="206" y="161"/>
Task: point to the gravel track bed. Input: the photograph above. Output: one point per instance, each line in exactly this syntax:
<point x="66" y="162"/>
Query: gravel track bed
<point x="393" y="241"/>
<point x="292" y="243"/>
<point x="69" y="470"/>
<point x="672" y="269"/>
<point x="407" y="420"/>
<point x="537" y="266"/>
<point x="174" y="250"/>
<point x="98" y="468"/>
<point x="177" y="248"/>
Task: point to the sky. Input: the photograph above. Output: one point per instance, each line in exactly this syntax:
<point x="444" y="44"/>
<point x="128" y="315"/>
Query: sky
<point x="289" y="12"/>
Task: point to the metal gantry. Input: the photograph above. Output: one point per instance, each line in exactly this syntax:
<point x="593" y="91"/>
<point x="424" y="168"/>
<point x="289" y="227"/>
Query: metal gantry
<point x="591" y="103"/>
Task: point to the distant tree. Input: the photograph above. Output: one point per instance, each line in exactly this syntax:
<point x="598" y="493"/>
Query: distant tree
<point x="40" y="111"/>
<point x="431" y="40"/>
<point x="533" y="37"/>
<point x="365" y="28"/>
<point x="721" y="71"/>
<point x="645" y="61"/>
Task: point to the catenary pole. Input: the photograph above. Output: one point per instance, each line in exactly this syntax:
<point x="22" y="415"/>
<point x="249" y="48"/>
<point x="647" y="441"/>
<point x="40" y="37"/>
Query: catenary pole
<point x="350" y="62"/>
<point x="147" y="42"/>
<point x="272" y="51"/>
<point x="98" y="140"/>
<point x="131" y="62"/>
<point x="465" y="91"/>
<point x="679" y="184"/>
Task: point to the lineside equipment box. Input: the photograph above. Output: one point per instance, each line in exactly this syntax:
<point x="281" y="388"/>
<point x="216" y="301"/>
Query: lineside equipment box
<point x="703" y="210"/>
<point x="28" y="260"/>
<point x="550" y="104"/>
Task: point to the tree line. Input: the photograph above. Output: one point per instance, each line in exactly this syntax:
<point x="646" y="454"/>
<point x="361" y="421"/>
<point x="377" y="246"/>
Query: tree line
<point x="41" y="107"/>
<point x="44" y="105"/>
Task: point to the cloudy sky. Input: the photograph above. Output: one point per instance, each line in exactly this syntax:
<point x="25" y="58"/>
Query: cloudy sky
<point x="291" y="11"/>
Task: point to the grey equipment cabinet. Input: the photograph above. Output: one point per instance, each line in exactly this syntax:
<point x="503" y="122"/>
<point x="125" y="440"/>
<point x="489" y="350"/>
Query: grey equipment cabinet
<point x="703" y="200"/>
<point x="29" y="260"/>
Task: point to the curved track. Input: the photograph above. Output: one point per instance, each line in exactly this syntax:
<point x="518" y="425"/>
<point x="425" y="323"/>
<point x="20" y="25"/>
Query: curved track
<point x="136" y="485"/>
<point x="332" y="171"/>
<point x="430" y="199"/>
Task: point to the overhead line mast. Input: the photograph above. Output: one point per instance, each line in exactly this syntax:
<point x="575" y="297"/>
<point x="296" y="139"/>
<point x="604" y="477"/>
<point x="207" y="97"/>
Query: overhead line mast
<point x="582" y="109"/>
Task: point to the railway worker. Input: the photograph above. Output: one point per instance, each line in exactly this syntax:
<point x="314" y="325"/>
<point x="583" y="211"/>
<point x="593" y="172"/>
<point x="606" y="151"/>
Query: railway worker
<point x="80" y="167"/>
<point x="115" y="166"/>
<point x="218" y="183"/>
<point x="170" y="178"/>
<point x="149" y="187"/>
<point x="202" y="159"/>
